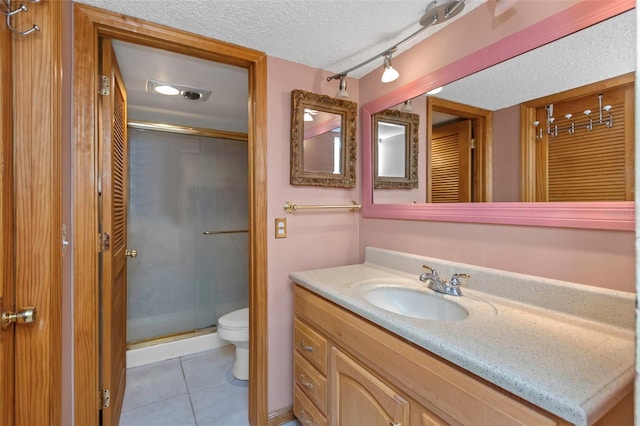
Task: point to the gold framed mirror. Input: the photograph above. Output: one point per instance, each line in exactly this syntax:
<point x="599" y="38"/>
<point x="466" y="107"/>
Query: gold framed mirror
<point x="323" y="140"/>
<point x="395" y="135"/>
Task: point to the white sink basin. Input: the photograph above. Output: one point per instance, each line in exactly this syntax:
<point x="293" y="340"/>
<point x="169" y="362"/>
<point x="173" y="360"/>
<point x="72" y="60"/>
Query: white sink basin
<point x="415" y="303"/>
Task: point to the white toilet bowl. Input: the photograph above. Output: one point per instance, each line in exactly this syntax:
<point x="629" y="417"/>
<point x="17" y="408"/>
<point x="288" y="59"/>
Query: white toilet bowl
<point x="234" y="328"/>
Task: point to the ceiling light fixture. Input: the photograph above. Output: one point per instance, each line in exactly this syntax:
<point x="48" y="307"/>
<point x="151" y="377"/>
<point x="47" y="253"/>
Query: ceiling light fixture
<point x="390" y="73"/>
<point x="342" y="93"/>
<point x="406" y="107"/>
<point x="173" y="89"/>
<point x="437" y="12"/>
<point x="308" y="115"/>
<point x="435" y="91"/>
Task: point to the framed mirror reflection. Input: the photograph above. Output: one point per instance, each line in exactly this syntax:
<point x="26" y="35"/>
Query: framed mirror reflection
<point x="323" y="140"/>
<point x="395" y="135"/>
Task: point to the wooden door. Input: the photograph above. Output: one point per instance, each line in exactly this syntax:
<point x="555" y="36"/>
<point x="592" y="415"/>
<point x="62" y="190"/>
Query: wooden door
<point x="113" y="230"/>
<point x="451" y="163"/>
<point x="6" y="228"/>
<point x="360" y="398"/>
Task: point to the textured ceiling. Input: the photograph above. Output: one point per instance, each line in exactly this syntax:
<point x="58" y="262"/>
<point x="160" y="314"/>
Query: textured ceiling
<point x="335" y="35"/>
<point x="332" y="35"/>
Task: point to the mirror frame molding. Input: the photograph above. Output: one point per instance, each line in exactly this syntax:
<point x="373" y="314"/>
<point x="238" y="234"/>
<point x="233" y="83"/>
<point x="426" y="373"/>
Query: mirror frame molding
<point x="587" y="215"/>
<point x="348" y="111"/>
<point x="411" y="123"/>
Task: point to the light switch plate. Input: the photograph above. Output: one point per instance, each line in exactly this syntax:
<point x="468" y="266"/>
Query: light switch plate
<point x="281" y="227"/>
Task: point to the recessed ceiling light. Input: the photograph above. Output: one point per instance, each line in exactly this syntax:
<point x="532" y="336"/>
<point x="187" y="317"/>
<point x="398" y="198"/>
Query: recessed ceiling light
<point x="173" y="89"/>
<point x="435" y="91"/>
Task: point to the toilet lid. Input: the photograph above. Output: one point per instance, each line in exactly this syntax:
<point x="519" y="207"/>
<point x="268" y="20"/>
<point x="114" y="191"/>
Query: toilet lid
<point x="235" y="319"/>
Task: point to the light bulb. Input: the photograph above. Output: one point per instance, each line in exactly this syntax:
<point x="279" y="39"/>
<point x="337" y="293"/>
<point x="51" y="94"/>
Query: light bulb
<point x="390" y="74"/>
<point x="342" y="93"/>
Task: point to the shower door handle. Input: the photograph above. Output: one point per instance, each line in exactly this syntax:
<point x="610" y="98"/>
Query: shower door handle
<point x="131" y="254"/>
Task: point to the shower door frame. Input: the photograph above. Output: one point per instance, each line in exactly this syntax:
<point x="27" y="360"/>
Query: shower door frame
<point x="89" y="24"/>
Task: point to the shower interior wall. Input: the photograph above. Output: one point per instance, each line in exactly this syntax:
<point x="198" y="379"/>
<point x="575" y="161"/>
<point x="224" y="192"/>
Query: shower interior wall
<point x="181" y="185"/>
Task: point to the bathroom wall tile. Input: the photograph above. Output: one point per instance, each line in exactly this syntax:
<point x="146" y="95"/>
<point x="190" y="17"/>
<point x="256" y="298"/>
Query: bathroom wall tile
<point x="153" y="383"/>
<point x="222" y="404"/>
<point x="171" y="412"/>
<point x="209" y="368"/>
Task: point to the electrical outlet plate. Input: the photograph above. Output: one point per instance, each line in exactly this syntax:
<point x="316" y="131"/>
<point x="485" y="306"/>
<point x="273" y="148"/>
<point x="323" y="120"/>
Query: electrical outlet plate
<point x="281" y="227"/>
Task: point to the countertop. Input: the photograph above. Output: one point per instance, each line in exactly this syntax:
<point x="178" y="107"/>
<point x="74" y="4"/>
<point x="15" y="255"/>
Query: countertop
<point x="565" y="347"/>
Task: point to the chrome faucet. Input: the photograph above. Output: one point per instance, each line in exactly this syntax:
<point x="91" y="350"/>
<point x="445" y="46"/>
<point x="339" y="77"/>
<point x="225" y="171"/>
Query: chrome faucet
<point x="441" y="286"/>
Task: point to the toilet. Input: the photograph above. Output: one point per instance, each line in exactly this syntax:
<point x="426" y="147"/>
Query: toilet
<point x="234" y="328"/>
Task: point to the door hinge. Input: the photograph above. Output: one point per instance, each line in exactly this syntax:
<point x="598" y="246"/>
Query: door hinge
<point x="104" y="85"/>
<point x="105" y="242"/>
<point x="473" y="143"/>
<point x="105" y="398"/>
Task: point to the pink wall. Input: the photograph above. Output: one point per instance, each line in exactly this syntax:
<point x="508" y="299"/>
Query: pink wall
<point x="315" y="239"/>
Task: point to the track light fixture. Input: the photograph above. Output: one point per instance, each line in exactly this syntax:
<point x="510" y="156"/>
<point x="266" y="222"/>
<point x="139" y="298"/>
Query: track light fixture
<point x="342" y="93"/>
<point x="389" y="74"/>
<point x="437" y="12"/>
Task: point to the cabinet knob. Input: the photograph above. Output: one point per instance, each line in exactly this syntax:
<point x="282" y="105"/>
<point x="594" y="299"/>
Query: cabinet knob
<point x="307" y="384"/>
<point x="304" y="418"/>
<point x="306" y="347"/>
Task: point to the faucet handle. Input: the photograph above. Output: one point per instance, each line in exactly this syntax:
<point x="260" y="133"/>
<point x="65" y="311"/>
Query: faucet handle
<point x="455" y="278"/>
<point x="433" y="271"/>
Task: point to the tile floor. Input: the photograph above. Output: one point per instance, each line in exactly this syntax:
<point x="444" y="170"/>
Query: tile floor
<point x="193" y="390"/>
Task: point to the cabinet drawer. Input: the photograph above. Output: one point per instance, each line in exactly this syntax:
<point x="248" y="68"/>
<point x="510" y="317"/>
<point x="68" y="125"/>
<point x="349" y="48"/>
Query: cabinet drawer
<point x="311" y="345"/>
<point x="306" y="413"/>
<point x="311" y="382"/>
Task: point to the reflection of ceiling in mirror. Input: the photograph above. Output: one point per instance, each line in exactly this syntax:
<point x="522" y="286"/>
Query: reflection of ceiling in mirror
<point x="596" y="53"/>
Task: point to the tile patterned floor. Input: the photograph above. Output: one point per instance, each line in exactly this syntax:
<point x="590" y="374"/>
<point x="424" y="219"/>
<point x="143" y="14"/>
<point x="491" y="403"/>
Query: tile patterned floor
<point x="193" y="390"/>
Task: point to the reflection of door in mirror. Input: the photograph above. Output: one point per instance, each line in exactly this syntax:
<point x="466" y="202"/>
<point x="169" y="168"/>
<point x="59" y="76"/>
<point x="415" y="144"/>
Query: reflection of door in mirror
<point x="459" y="152"/>
<point x="322" y="145"/>
<point x="451" y="159"/>
<point x="579" y="144"/>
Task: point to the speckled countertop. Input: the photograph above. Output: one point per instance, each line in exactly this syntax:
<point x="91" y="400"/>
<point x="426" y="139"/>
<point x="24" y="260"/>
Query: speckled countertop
<point x="567" y="348"/>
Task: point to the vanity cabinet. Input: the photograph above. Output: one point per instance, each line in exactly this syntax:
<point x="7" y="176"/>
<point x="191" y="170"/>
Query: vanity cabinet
<point x="351" y="372"/>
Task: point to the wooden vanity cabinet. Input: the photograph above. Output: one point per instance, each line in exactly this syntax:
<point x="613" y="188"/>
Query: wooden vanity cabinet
<point x="363" y="375"/>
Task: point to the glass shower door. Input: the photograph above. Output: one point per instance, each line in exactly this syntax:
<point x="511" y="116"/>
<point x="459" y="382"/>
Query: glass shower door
<point x="180" y="187"/>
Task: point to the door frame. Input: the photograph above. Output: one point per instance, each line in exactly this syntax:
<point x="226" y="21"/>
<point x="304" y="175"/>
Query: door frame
<point x="89" y="24"/>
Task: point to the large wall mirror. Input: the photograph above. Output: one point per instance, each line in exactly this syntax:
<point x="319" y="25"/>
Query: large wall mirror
<point x="323" y="140"/>
<point x="486" y="106"/>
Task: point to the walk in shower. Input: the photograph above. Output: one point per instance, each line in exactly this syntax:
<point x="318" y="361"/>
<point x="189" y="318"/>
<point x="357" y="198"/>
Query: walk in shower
<point x="188" y="221"/>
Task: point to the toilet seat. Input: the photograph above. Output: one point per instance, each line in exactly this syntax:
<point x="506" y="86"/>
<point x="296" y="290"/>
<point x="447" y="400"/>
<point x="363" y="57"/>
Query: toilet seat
<point x="236" y="320"/>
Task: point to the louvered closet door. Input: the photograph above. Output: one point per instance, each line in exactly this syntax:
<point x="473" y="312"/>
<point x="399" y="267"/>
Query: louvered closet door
<point x="113" y="160"/>
<point x="594" y="165"/>
<point x="451" y="163"/>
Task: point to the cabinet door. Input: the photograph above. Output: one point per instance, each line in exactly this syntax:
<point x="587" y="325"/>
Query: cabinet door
<point x="421" y="416"/>
<point x="360" y="398"/>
